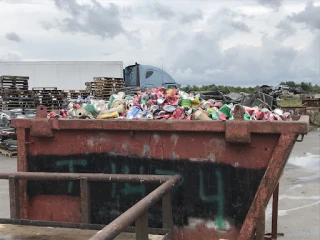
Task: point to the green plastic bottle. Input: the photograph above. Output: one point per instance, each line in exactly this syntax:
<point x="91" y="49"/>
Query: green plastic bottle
<point x="226" y="109"/>
<point x="214" y="114"/>
<point x="247" y="116"/>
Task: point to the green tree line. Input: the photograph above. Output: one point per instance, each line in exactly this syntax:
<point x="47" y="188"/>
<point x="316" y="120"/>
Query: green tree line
<point x="305" y="87"/>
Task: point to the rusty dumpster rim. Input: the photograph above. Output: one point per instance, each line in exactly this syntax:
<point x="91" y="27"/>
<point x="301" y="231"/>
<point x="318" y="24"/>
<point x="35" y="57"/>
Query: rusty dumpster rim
<point x="300" y="126"/>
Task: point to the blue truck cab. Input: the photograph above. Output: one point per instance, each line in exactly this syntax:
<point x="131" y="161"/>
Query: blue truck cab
<point x="147" y="76"/>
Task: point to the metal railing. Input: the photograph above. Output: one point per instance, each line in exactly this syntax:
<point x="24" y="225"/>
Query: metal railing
<point x="137" y="213"/>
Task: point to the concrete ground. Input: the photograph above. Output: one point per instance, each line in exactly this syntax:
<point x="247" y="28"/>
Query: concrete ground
<point x="17" y="232"/>
<point x="299" y="199"/>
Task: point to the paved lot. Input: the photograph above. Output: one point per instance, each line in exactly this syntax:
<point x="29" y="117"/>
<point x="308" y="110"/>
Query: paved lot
<point x="299" y="200"/>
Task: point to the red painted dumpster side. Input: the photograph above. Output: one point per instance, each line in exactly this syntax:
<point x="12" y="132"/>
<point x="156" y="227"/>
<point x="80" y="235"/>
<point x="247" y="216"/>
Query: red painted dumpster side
<point x="229" y="169"/>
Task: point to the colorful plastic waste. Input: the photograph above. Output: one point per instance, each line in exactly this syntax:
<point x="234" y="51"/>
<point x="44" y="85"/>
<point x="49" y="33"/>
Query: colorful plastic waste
<point x="133" y="112"/>
<point x="226" y="110"/>
<point x="200" y="115"/>
<point x="159" y="103"/>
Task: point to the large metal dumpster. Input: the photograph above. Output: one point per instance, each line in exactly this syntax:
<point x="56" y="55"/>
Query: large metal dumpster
<point x="229" y="169"/>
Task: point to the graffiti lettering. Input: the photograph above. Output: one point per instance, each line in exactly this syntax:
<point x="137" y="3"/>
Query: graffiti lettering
<point x="128" y="188"/>
<point x="207" y="190"/>
<point x="71" y="164"/>
<point x="218" y="198"/>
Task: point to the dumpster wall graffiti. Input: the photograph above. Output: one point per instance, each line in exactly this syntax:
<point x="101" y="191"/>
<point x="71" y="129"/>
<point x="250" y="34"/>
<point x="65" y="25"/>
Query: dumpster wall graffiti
<point x="216" y="192"/>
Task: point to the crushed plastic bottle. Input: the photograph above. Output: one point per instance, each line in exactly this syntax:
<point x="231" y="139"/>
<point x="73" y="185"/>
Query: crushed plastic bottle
<point x="133" y="112"/>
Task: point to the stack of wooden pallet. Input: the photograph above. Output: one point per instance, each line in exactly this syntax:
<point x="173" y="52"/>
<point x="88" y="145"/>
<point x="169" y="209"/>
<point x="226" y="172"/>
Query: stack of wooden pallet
<point x="103" y="87"/>
<point x="49" y="97"/>
<point x="74" y="94"/>
<point x="14" y="93"/>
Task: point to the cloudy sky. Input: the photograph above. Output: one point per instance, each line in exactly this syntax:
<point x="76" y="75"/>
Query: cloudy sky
<point x="198" y="42"/>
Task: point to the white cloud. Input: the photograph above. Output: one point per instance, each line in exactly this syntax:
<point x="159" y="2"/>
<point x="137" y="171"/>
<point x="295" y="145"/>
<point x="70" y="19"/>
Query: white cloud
<point x="13" y="37"/>
<point x="186" y="18"/>
<point x="273" y="4"/>
<point x="198" y="42"/>
<point x="11" y="56"/>
<point x="91" y="19"/>
<point x="286" y="29"/>
<point x="310" y="16"/>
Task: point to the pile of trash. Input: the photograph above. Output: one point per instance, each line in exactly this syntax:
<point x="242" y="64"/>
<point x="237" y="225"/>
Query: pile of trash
<point x="8" y="139"/>
<point x="160" y="103"/>
<point x="9" y="145"/>
<point x="8" y="136"/>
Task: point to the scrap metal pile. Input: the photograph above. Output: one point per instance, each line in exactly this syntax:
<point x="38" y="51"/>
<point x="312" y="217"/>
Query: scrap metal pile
<point x="8" y="137"/>
<point x="8" y="142"/>
<point x="159" y="103"/>
<point x="264" y="97"/>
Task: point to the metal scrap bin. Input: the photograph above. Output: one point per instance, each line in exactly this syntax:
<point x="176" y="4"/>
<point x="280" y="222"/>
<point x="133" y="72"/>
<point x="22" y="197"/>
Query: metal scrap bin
<point x="229" y="169"/>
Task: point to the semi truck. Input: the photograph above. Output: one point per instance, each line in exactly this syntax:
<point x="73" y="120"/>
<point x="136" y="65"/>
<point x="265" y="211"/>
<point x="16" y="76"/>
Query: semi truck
<point x="72" y="75"/>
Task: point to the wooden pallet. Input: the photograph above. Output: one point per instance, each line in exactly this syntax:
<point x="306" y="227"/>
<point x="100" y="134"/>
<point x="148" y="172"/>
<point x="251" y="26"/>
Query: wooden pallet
<point x="103" y="82"/>
<point x="44" y="88"/>
<point x="6" y="96"/>
<point x="8" y="153"/>
<point x="51" y="103"/>
<point x="9" y="77"/>
<point x="13" y="106"/>
<point x="101" y="91"/>
<point x="75" y="92"/>
<point x="72" y="91"/>
<point x="102" y="94"/>
<point x="18" y="88"/>
<point x="13" y="84"/>
<point x="106" y="97"/>
<point x="44" y="99"/>
<point x="74" y="96"/>
<point x="15" y="91"/>
<point x="107" y="79"/>
<point x="49" y="95"/>
<point x="17" y="100"/>
<point x="17" y="103"/>
<point x="60" y="96"/>
<point x="47" y="92"/>
<point x="101" y="87"/>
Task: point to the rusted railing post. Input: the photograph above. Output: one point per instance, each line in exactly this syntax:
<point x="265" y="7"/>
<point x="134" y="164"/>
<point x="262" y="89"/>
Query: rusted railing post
<point x="167" y="211"/>
<point x="14" y="197"/>
<point x="85" y="200"/>
<point x="261" y="226"/>
<point x="142" y="227"/>
<point x="275" y="213"/>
